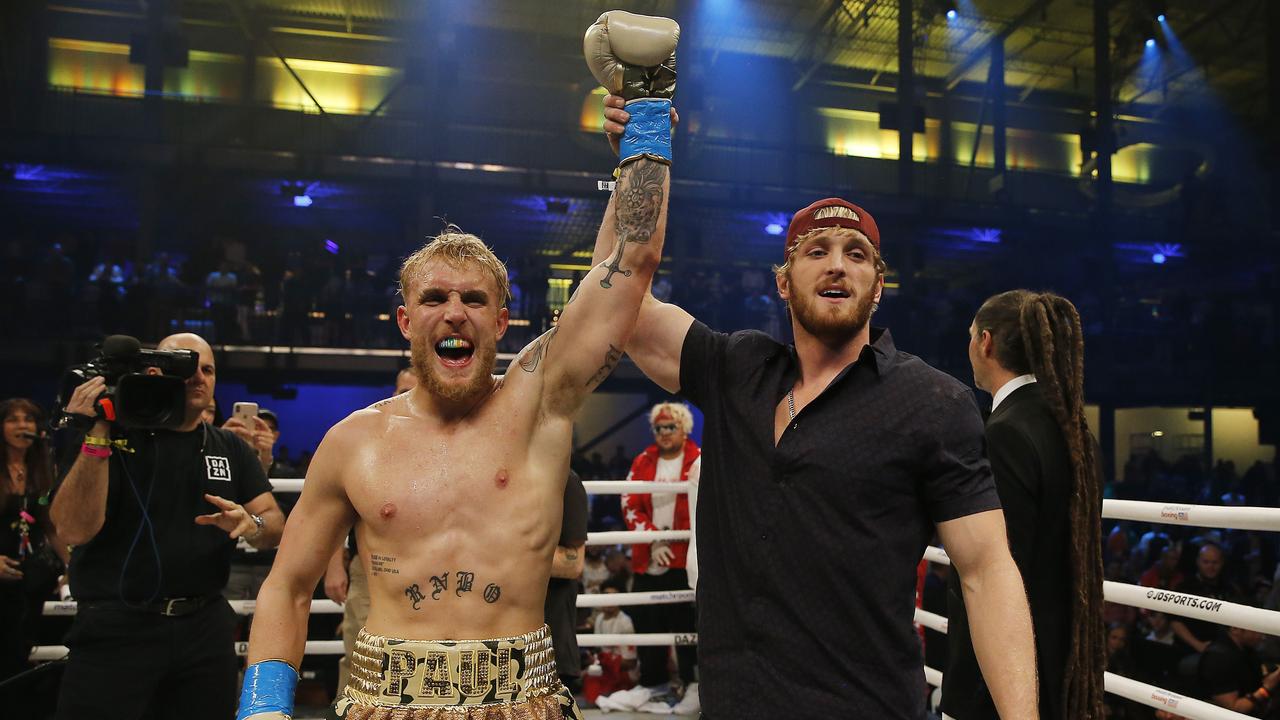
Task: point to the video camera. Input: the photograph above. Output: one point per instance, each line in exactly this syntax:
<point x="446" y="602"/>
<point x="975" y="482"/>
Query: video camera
<point x="133" y="398"/>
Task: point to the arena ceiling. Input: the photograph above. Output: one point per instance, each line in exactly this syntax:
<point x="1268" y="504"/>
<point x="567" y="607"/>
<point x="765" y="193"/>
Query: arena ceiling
<point x="1048" y="43"/>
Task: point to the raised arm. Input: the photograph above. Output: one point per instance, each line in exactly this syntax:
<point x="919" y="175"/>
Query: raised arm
<point x="634" y="55"/>
<point x="658" y="337"/>
<point x="80" y="506"/>
<point x="315" y="528"/>
<point x="999" y="617"/>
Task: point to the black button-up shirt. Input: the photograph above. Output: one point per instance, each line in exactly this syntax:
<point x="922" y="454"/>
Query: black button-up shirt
<point x="807" y="551"/>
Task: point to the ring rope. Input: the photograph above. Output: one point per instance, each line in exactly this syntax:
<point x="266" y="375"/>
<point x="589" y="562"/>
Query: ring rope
<point x="1127" y="688"/>
<point x="322" y="607"/>
<point x="624" y="537"/>
<point x="1230" y="518"/>
<point x="1215" y="516"/>
<point x="1174" y="603"/>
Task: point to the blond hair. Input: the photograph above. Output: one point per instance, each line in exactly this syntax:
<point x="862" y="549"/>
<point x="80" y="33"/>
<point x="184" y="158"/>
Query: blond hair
<point x="678" y="411"/>
<point x="876" y="257"/>
<point x="457" y="248"/>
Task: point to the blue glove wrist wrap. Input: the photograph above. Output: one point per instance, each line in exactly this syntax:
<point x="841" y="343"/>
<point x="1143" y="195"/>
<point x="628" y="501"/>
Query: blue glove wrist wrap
<point x="648" y="131"/>
<point x="268" y="687"/>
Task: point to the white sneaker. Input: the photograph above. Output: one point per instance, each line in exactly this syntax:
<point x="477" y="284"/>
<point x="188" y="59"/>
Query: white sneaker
<point x="625" y="700"/>
<point x="689" y="704"/>
<point x="656" y="707"/>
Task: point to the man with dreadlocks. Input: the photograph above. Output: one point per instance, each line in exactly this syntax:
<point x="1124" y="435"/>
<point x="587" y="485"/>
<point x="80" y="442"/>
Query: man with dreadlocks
<point x="1027" y="351"/>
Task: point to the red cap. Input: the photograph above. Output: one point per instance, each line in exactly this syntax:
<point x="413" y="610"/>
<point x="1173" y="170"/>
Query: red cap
<point x="849" y="216"/>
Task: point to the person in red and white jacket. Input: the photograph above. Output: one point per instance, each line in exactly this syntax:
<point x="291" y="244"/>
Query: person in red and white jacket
<point x="662" y="565"/>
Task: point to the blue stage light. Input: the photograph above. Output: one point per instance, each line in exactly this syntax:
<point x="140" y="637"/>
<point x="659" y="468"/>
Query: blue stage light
<point x="1158" y="258"/>
<point x="1160" y="18"/>
<point x="951" y="14"/>
<point x="1151" y="42"/>
<point x="331" y="246"/>
<point x="302" y="201"/>
<point x="773" y="229"/>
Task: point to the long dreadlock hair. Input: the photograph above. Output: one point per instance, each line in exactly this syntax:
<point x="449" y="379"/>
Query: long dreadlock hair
<point x="1040" y="333"/>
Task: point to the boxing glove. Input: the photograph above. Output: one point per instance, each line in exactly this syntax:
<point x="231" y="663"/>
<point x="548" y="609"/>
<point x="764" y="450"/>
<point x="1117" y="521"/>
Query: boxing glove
<point x="634" y="56"/>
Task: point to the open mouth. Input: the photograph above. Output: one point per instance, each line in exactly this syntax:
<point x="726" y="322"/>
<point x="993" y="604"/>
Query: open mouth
<point x="455" y="351"/>
<point x="834" y="294"/>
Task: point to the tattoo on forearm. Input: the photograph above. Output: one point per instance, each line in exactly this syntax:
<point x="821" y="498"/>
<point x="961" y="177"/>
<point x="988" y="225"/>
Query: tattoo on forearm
<point x="414" y="594"/>
<point x="638" y="203"/>
<point x="439" y="583"/>
<point x="382" y="565"/>
<point x="611" y="359"/>
<point x="570" y="554"/>
<point x="532" y="356"/>
<point x="491" y="593"/>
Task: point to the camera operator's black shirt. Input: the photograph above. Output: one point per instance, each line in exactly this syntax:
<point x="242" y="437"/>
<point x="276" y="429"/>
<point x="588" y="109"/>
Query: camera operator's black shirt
<point x="170" y="474"/>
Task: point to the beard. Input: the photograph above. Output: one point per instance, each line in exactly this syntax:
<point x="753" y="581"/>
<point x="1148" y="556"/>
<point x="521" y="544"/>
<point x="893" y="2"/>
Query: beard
<point x="833" y="325"/>
<point x="422" y="357"/>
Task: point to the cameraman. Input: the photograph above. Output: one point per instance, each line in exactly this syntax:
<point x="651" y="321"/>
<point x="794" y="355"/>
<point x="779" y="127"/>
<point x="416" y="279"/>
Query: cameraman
<point x="154" y="523"/>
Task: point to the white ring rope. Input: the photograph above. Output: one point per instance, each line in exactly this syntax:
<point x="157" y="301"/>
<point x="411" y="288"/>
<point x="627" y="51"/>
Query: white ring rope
<point x="1127" y="688"/>
<point x="658" y="597"/>
<point x="623" y="537"/>
<point x="46" y="653"/>
<point x="322" y="607"/>
<point x="933" y="621"/>
<point x="1212" y="516"/>
<point x="1221" y="612"/>
<point x="594" y="487"/>
<point x="1174" y="603"/>
<point x="1162" y="699"/>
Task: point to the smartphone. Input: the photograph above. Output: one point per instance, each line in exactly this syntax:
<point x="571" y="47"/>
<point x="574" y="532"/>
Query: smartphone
<point x="245" y="412"/>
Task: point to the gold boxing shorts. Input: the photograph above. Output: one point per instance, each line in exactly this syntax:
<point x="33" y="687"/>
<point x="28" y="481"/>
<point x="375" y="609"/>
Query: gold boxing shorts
<point x="511" y="678"/>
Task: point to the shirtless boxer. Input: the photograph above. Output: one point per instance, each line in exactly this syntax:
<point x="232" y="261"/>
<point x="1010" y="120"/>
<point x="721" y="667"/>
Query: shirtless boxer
<point x="456" y="487"/>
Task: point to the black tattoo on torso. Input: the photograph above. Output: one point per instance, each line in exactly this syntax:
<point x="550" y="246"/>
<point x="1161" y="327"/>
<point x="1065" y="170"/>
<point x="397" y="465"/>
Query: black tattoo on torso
<point x="611" y="359"/>
<point x="491" y="593"/>
<point x="638" y="203"/>
<point x="414" y="594"/>
<point x="382" y="565"/>
<point x="440" y="584"/>
<point x="464" y="582"/>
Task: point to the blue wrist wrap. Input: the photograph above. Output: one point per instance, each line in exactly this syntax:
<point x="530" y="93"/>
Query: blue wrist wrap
<point x="648" y="131"/>
<point x="268" y="687"/>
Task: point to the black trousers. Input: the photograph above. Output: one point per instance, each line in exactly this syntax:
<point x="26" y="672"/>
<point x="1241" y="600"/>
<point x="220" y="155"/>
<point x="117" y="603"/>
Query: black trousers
<point x="665" y="618"/>
<point x="130" y="664"/>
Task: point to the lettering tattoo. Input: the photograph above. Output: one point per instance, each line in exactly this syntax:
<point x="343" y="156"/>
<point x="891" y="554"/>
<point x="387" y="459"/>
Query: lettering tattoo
<point x="530" y="358"/>
<point x="465" y="579"/>
<point x="380" y="403"/>
<point x="491" y="593"/>
<point x="611" y="359"/>
<point x="439" y="583"/>
<point x="414" y="594"/>
<point x="638" y="203"/>
<point x="382" y="565"/>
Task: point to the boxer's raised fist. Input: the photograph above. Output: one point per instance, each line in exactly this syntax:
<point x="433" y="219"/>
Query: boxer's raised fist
<point x="633" y="56"/>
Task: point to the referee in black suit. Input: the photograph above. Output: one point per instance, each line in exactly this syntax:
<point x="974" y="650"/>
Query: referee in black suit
<point x="1027" y="351"/>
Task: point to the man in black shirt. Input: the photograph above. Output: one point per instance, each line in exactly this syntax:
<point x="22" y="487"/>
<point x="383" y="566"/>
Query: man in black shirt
<point x="561" y="605"/>
<point x="827" y="467"/>
<point x="1231" y="676"/>
<point x="1209" y="582"/>
<point x="154" y="524"/>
